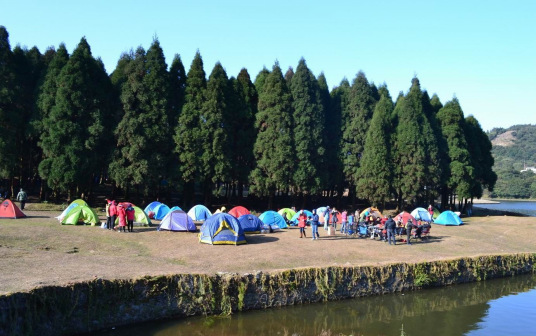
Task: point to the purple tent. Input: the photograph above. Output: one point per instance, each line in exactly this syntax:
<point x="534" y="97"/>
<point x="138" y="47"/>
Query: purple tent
<point x="177" y="220"/>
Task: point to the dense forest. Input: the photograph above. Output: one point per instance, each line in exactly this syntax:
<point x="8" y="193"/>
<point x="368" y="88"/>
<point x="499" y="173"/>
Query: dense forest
<point x="514" y="149"/>
<point x="148" y="131"/>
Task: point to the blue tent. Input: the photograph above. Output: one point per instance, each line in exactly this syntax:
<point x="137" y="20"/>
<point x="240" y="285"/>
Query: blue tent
<point x="421" y="214"/>
<point x="250" y="223"/>
<point x="199" y="213"/>
<point x="177" y="220"/>
<point x="151" y="207"/>
<point x="294" y="218"/>
<point x="160" y="211"/>
<point x="176" y="207"/>
<point x="272" y="218"/>
<point x="448" y="218"/>
<point x="222" y="229"/>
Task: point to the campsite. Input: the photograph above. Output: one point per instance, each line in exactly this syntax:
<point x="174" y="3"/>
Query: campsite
<point x="38" y="251"/>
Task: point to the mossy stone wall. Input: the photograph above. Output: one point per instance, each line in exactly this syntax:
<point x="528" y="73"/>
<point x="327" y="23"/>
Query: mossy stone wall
<point x="90" y="306"/>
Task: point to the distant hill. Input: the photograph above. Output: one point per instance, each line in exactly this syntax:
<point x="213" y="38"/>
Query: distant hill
<point x="514" y="149"/>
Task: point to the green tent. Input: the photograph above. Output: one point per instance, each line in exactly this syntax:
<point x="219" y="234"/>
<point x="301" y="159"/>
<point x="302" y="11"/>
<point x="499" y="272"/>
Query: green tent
<point x="436" y="213"/>
<point x="79" y="202"/>
<point x="139" y="216"/>
<point x="80" y="214"/>
<point x="287" y="213"/>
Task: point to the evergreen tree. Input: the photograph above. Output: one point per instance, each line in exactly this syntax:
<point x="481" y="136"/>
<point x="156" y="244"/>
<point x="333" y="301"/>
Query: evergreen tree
<point x="72" y="145"/>
<point x="414" y="148"/>
<point x="260" y="79"/>
<point x="333" y="134"/>
<point x="355" y="122"/>
<point x="119" y="76"/>
<point x="8" y="115"/>
<point x="142" y="151"/>
<point x="308" y="116"/>
<point x="177" y="89"/>
<point x="436" y="103"/>
<point x="243" y="132"/>
<point x="188" y="132"/>
<point x="461" y="170"/>
<point x="288" y="76"/>
<point x="376" y="170"/>
<point x="331" y="175"/>
<point x="215" y="131"/>
<point x="273" y="146"/>
<point x="482" y="159"/>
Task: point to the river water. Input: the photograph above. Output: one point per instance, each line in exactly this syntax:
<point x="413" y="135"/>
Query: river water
<point x="494" y="307"/>
<point x="523" y="207"/>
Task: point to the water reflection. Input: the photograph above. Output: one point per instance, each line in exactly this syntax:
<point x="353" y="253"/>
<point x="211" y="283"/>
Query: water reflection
<point x="456" y="310"/>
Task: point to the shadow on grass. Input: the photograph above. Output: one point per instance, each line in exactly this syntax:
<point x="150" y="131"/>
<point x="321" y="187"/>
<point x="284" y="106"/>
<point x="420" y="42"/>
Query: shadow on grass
<point x="260" y="239"/>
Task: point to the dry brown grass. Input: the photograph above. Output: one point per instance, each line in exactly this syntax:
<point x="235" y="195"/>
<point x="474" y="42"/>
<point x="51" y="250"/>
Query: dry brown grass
<point x="38" y="251"/>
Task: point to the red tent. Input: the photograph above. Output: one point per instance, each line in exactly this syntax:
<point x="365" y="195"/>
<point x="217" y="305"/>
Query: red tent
<point x="8" y="209"/>
<point x="238" y="211"/>
<point x="404" y="216"/>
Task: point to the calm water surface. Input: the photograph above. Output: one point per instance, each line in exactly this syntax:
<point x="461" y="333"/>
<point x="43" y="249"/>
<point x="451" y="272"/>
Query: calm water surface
<point x="494" y="307"/>
<point x="526" y="208"/>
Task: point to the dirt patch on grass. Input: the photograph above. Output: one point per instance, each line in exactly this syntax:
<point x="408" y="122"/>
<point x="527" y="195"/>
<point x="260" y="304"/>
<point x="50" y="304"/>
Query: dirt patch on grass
<point x="38" y="251"/>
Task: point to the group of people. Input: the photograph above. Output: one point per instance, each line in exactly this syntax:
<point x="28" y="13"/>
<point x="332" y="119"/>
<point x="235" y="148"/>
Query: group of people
<point x="123" y="212"/>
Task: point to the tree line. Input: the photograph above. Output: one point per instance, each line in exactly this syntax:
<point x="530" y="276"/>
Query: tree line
<point x="150" y="130"/>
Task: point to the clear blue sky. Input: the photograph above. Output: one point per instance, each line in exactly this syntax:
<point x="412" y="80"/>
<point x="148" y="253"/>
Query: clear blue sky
<point x="482" y="52"/>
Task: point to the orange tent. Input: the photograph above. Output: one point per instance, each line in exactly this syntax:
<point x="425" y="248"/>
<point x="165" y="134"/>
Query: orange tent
<point x="8" y="209"/>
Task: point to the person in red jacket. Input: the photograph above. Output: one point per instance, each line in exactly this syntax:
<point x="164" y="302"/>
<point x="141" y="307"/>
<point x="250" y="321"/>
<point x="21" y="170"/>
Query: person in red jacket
<point x="130" y="218"/>
<point x="122" y="217"/>
<point x="113" y="215"/>
<point x="302" y="220"/>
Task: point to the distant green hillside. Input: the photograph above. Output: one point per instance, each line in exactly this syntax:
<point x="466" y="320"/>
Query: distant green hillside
<point x="513" y="149"/>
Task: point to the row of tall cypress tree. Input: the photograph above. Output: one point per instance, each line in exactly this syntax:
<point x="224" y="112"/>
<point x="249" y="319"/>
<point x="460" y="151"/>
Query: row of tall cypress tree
<point x="150" y="130"/>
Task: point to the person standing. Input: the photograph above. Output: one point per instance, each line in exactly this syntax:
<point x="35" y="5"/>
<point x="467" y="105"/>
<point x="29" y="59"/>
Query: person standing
<point x="22" y="197"/>
<point x="326" y="218"/>
<point x="130" y="218"/>
<point x="344" y="220"/>
<point x="409" y="227"/>
<point x="121" y="213"/>
<point x="334" y="219"/>
<point x="302" y="219"/>
<point x="314" y="225"/>
<point x="113" y="215"/>
<point x="431" y="211"/>
<point x="390" y="226"/>
<point x="108" y="217"/>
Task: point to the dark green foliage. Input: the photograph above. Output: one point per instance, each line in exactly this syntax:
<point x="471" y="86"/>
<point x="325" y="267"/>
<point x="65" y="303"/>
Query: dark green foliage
<point x="8" y="115"/>
<point x="376" y="170"/>
<point x="308" y="132"/>
<point x="188" y="131"/>
<point x="273" y="146"/>
<point x="216" y="128"/>
<point x="333" y="134"/>
<point x="119" y="76"/>
<point x="76" y="133"/>
<point x="415" y="150"/>
<point x="260" y="79"/>
<point x="514" y="184"/>
<point x="177" y="76"/>
<point x="461" y="169"/>
<point x="288" y="76"/>
<point x="242" y="119"/>
<point x="479" y="147"/>
<point x="356" y="118"/>
<point x="142" y="152"/>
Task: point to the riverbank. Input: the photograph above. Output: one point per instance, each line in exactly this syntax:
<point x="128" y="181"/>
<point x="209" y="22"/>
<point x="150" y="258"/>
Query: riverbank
<point x="38" y="252"/>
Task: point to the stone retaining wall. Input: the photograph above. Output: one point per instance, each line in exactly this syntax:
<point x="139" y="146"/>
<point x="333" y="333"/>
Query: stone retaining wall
<point x="90" y="306"/>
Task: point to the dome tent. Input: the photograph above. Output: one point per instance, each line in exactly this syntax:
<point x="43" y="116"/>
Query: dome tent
<point x="199" y="213"/>
<point x="448" y="218"/>
<point x="176" y="207"/>
<point x="177" y="220"/>
<point x="8" y="209"/>
<point x="273" y="219"/>
<point x="250" y="223"/>
<point x="222" y="229"/>
<point x="73" y="204"/>
<point x="81" y="214"/>
<point x="287" y="213"/>
<point x="294" y="218"/>
<point x="404" y="216"/>
<point x="160" y="211"/>
<point x="421" y="214"/>
<point x="238" y="211"/>
<point x="151" y="207"/>
<point x="139" y="215"/>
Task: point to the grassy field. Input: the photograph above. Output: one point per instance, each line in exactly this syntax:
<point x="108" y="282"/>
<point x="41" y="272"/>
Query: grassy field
<point x="38" y="251"/>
